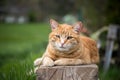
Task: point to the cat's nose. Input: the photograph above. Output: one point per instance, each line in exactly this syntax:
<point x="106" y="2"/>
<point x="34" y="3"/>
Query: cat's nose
<point x="63" y="41"/>
<point x="62" y="44"/>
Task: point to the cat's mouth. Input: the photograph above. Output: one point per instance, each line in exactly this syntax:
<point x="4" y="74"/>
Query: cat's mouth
<point x="62" y="48"/>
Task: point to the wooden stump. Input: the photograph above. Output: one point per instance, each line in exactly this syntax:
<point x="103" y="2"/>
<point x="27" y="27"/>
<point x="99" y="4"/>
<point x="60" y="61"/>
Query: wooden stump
<point x="82" y="72"/>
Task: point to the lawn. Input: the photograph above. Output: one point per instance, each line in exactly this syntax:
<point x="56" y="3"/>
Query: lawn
<point x="21" y="44"/>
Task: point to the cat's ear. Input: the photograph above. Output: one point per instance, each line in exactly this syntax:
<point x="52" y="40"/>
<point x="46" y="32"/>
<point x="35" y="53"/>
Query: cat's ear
<point x="54" y="24"/>
<point x="78" y="27"/>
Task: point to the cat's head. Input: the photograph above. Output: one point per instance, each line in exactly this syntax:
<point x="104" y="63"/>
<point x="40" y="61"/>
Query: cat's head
<point x="64" y="37"/>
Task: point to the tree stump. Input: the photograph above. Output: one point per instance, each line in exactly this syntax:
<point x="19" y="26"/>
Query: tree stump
<point x="81" y="72"/>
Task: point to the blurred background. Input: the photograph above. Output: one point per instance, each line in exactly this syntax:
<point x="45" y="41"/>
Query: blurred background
<point x="24" y="29"/>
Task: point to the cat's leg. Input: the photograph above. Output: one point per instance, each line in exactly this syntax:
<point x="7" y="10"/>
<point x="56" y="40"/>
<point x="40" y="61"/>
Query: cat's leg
<point x="38" y="61"/>
<point x="66" y="61"/>
<point x="47" y="61"/>
<point x="44" y="61"/>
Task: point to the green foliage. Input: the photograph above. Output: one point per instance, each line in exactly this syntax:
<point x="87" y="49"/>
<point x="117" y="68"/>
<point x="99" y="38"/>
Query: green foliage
<point x="19" y="70"/>
<point x="112" y="74"/>
<point x="20" y="45"/>
<point x="113" y="11"/>
<point x="32" y="16"/>
<point x="22" y="37"/>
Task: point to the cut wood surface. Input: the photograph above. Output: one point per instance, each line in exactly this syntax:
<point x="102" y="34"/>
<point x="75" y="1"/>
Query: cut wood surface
<point x="81" y="72"/>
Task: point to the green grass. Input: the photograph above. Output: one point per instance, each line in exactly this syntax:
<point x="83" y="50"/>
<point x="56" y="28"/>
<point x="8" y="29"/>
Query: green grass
<point x="21" y="44"/>
<point x="14" y="37"/>
<point x="19" y="70"/>
<point x="112" y="74"/>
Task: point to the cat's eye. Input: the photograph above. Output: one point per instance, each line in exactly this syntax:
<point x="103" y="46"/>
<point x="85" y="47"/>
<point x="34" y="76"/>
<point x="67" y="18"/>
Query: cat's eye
<point x="69" y="37"/>
<point x="57" y="36"/>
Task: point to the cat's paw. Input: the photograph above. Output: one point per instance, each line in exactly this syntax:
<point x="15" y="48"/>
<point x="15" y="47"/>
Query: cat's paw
<point x="48" y="62"/>
<point x="59" y="62"/>
<point x="37" y="61"/>
<point x="64" y="62"/>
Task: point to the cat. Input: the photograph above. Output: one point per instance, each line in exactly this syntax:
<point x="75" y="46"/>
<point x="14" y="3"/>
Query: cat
<point x="67" y="47"/>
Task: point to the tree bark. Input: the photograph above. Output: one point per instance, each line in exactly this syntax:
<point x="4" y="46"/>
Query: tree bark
<point x="81" y="72"/>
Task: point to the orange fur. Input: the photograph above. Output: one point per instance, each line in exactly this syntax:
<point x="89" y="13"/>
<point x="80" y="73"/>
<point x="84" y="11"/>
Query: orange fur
<point x="67" y="47"/>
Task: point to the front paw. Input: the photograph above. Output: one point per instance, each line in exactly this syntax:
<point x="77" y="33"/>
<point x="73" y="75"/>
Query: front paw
<point x="48" y="62"/>
<point x="59" y="62"/>
<point x="38" y="62"/>
<point x="65" y="62"/>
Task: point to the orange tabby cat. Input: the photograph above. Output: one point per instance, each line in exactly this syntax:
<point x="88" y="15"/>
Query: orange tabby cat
<point x="67" y="47"/>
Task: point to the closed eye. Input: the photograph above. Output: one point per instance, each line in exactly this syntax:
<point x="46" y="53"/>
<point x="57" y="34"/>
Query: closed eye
<point x="69" y="37"/>
<point x="57" y="36"/>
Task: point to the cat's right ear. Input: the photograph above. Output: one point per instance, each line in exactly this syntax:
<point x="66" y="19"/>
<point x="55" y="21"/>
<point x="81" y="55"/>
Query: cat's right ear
<point x="78" y="27"/>
<point x="54" y="24"/>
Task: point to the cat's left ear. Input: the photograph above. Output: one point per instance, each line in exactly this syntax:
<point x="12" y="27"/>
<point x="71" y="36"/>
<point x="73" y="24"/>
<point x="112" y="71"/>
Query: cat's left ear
<point x="78" y="27"/>
<point x="54" y="24"/>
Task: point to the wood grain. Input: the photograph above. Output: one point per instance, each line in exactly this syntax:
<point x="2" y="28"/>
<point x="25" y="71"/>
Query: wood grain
<point x="81" y="72"/>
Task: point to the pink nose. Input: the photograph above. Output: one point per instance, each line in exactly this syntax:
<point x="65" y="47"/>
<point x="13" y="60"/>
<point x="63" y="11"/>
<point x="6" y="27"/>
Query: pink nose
<point x="62" y="44"/>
